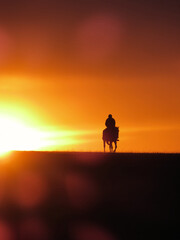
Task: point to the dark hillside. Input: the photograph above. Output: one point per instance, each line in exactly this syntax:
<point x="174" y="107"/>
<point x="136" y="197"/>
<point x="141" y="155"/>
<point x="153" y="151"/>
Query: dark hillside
<point x="89" y="196"/>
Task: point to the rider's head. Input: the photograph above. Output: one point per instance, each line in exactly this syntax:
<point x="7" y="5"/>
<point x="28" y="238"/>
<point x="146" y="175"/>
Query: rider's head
<point x="110" y="115"/>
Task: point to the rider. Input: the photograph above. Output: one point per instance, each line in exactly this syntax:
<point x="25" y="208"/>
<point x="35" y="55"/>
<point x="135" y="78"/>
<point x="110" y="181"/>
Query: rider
<point x="110" y="122"/>
<point x="111" y="133"/>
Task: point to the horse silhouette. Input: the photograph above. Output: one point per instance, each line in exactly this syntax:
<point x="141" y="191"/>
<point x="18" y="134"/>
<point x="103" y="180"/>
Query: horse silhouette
<point x="110" y="136"/>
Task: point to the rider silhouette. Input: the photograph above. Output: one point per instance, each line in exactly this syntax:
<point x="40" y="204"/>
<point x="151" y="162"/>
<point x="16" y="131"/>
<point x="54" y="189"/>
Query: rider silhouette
<point x="111" y="133"/>
<point x="110" y="122"/>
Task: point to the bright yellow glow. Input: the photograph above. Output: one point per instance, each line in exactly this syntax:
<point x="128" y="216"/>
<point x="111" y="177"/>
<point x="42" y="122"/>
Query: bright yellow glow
<point x="15" y="135"/>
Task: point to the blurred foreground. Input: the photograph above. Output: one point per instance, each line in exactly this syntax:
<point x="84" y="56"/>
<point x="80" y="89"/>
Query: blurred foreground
<point x="89" y="196"/>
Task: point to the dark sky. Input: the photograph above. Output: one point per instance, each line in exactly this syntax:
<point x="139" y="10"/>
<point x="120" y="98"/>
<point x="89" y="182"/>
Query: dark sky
<point x="47" y="31"/>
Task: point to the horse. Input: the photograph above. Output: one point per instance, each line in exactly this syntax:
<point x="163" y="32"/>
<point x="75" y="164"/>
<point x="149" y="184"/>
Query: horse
<point x="110" y="136"/>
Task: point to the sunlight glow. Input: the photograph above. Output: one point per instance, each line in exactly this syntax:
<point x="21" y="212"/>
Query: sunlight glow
<point x="15" y="135"/>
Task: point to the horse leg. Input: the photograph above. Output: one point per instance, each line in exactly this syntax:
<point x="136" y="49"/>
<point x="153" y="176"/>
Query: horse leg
<point x="110" y="147"/>
<point x="115" y="146"/>
<point x="104" y="146"/>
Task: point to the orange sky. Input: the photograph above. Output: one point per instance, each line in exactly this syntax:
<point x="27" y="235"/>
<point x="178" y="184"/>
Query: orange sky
<point x="65" y="66"/>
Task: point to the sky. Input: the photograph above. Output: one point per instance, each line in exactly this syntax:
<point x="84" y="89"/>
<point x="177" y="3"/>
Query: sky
<point x="66" y="65"/>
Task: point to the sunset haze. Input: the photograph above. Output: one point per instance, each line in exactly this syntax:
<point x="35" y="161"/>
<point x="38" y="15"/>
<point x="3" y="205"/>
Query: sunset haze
<point x="66" y="65"/>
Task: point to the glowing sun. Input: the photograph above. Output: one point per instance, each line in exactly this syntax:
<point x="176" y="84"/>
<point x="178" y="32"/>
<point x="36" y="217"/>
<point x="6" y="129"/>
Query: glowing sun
<point x="16" y="135"/>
